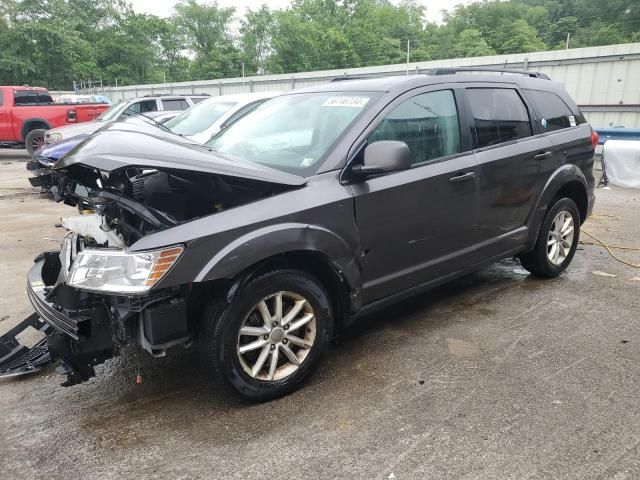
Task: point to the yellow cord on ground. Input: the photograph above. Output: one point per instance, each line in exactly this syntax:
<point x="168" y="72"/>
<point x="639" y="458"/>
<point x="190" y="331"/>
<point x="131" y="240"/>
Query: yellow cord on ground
<point x="603" y="244"/>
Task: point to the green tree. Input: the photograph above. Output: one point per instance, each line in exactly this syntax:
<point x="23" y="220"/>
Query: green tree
<point x="522" y="38"/>
<point x="208" y="33"/>
<point x="256" y="37"/>
<point x="469" y="43"/>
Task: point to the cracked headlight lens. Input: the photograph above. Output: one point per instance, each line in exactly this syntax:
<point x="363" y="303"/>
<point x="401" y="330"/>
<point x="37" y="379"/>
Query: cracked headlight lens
<point x="118" y="271"/>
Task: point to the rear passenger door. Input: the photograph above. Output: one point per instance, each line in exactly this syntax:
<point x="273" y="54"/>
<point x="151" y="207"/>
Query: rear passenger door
<point x="415" y="225"/>
<point x="513" y="162"/>
<point x="561" y="123"/>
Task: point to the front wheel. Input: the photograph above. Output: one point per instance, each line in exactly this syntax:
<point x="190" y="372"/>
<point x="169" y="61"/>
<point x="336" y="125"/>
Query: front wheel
<point x="34" y="140"/>
<point x="267" y="341"/>
<point x="557" y="241"/>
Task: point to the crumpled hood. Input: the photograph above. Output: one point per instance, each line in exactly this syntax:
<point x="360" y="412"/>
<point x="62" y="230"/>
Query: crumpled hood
<point x="121" y="145"/>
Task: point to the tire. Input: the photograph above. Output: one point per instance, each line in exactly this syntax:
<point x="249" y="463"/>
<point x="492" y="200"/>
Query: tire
<point x="543" y="260"/>
<point x="221" y="344"/>
<point x="34" y="140"/>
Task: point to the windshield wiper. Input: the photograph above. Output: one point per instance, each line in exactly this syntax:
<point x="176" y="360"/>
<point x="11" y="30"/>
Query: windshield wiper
<point x="157" y="123"/>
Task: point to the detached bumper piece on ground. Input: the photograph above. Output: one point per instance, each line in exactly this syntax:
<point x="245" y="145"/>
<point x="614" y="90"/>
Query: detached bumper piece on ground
<point x="17" y="359"/>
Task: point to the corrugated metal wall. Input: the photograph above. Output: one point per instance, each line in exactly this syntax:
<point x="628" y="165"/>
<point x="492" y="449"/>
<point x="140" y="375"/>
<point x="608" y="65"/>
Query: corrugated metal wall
<point x="604" y="81"/>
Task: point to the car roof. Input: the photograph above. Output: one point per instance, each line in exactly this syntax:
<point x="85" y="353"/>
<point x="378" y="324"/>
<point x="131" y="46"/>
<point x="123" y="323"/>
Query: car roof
<point x="407" y="82"/>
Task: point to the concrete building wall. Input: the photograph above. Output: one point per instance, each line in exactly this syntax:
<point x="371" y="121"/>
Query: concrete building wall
<point x="604" y="81"/>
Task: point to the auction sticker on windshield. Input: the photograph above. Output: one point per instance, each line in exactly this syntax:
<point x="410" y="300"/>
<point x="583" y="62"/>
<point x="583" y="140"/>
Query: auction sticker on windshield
<point x="357" y="102"/>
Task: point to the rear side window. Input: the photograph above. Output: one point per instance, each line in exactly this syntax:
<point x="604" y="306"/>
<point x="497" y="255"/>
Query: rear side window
<point x="554" y="113"/>
<point x="427" y="123"/>
<point x="500" y="115"/>
<point x="25" y="97"/>
<point x="175" y="104"/>
<point x="44" y="97"/>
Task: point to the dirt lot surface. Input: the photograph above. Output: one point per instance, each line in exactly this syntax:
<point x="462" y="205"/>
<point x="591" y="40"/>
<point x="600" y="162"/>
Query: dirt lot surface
<point x="498" y="375"/>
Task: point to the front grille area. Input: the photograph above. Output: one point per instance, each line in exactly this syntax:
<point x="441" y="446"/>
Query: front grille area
<point x="53" y="316"/>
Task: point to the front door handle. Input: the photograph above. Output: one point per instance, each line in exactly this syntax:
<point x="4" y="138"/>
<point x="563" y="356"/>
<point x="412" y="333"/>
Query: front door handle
<point x="463" y="177"/>
<point x="542" y="156"/>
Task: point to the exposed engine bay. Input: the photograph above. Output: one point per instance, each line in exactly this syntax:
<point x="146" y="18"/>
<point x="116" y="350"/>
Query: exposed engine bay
<point x="84" y="328"/>
<point x="133" y="202"/>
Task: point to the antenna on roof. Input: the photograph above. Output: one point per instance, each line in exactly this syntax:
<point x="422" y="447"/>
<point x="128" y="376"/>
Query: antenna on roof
<point x="504" y="67"/>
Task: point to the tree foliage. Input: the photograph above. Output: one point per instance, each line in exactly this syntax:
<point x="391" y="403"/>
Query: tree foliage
<point x="56" y="42"/>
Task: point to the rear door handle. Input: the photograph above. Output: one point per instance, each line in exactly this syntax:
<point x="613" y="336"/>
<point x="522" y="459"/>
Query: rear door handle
<point x="463" y="177"/>
<point x="542" y="156"/>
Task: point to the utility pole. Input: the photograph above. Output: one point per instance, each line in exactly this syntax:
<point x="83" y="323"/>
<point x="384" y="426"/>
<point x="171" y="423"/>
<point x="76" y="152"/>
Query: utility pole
<point x="568" y="36"/>
<point x="408" y="50"/>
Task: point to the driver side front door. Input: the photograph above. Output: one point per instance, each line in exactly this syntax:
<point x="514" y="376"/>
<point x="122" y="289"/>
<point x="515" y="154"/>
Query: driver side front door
<point x="415" y="225"/>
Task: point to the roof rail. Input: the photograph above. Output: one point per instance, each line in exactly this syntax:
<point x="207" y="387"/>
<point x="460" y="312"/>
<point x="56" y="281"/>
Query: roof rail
<point x="176" y="95"/>
<point x="450" y="71"/>
<point x="343" y="78"/>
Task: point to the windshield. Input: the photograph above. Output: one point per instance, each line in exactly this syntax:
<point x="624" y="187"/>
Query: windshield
<point x="293" y="132"/>
<point x="200" y="117"/>
<point x="112" y="112"/>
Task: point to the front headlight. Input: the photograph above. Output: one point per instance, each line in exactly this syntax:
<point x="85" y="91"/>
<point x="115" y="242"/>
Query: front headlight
<point x="117" y="271"/>
<point x="53" y="137"/>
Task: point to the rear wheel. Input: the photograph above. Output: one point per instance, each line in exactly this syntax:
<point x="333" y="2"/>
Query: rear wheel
<point x="557" y="240"/>
<point x="267" y="341"/>
<point x="34" y="140"/>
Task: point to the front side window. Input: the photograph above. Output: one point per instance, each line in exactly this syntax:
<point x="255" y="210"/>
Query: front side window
<point x="427" y="123"/>
<point x="293" y="132"/>
<point x="500" y="115"/>
<point x="554" y="113"/>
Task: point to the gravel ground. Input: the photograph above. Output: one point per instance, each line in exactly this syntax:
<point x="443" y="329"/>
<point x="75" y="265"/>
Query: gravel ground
<point x="498" y="375"/>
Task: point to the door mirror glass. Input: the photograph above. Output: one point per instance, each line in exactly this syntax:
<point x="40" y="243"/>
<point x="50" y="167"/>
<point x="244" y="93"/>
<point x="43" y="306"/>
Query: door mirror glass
<point x="385" y="156"/>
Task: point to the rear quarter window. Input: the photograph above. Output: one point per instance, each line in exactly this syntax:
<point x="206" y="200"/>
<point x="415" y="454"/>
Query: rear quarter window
<point x="1" y="98"/>
<point x="553" y="112"/>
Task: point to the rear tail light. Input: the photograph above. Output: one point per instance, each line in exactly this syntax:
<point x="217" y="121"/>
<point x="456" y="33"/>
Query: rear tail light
<point x="594" y="138"/>
<point x="72" y="116"/>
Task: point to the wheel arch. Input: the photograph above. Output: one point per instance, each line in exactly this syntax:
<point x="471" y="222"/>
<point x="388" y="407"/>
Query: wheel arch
<point x="33" y="124"/>
<point x="308" y="248"/>
<point x="566" y="181"/>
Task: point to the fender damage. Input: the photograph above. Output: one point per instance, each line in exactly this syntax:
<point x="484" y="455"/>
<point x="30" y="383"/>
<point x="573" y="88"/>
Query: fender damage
<point x="127" y="182"/>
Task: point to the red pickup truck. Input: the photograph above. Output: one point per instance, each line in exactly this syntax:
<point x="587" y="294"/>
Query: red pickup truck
<point x="27" y="112"/>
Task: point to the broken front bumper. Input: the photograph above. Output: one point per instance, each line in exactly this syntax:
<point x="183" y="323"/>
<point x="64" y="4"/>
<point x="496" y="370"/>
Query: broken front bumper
<point x="78" y="330"/>
<point x="83" y="329"/>
<point x="17" y="359"/>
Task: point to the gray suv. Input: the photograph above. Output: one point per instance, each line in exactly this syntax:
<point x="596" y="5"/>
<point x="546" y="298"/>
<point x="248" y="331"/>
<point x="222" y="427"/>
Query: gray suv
<point x="319" y="207"/>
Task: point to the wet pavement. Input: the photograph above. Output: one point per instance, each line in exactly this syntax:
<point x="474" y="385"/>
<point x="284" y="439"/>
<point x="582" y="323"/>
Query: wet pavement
<point x="498" y="375"/>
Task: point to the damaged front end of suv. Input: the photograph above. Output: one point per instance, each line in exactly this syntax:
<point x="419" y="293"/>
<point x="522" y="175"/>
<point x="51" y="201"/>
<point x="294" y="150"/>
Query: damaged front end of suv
<point x="108" y="286"/>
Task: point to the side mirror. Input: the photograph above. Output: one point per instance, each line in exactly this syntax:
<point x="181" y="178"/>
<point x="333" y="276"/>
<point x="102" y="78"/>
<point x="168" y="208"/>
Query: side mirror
<point x="385" y="156"/>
